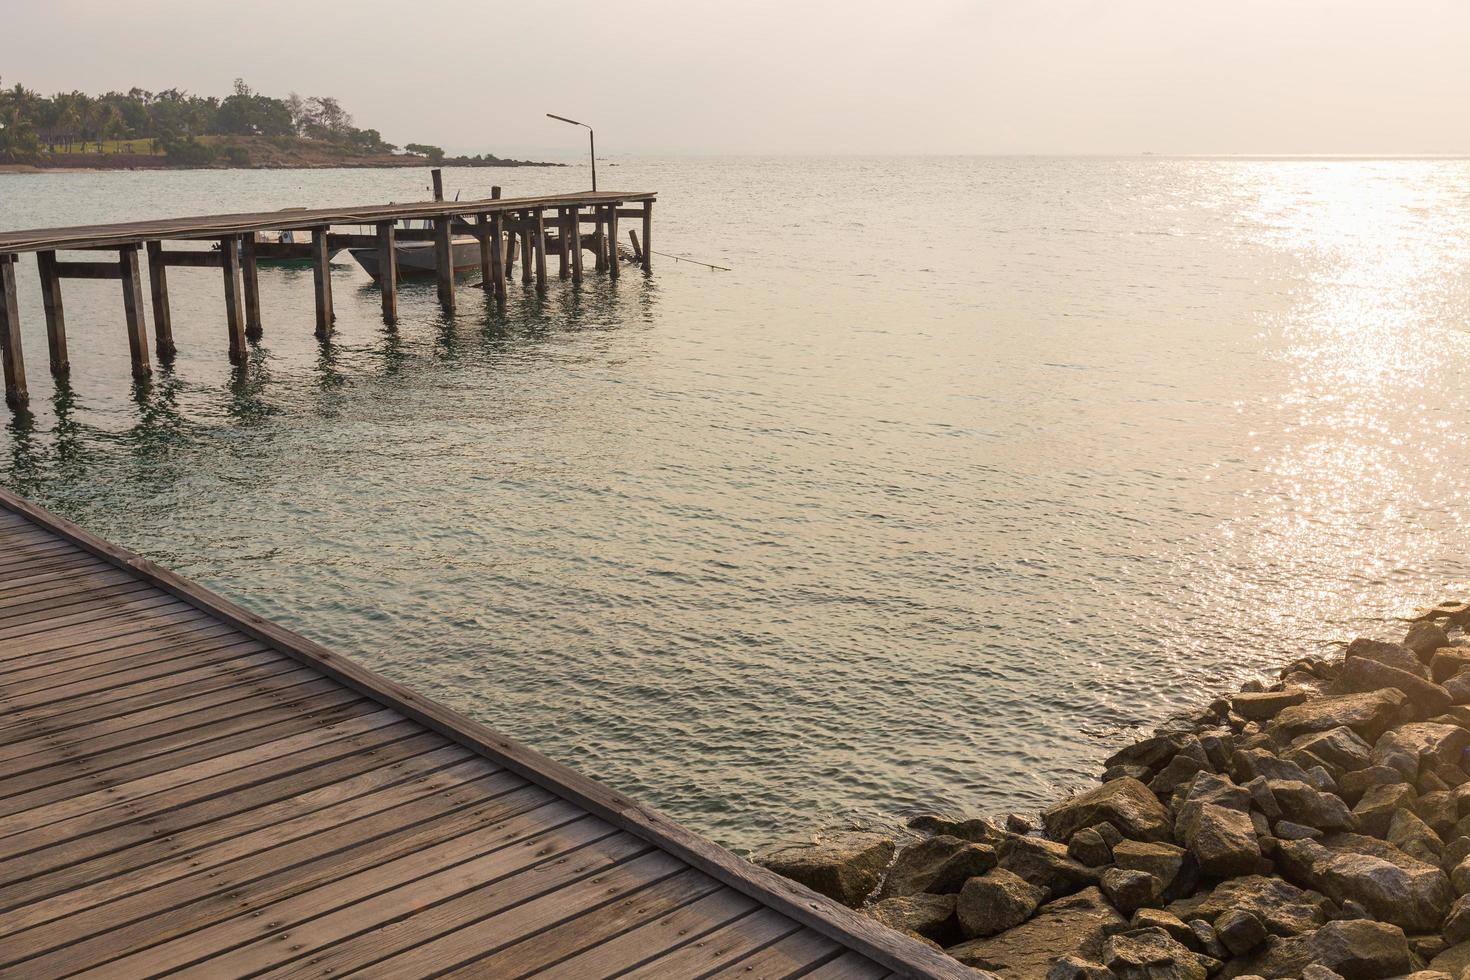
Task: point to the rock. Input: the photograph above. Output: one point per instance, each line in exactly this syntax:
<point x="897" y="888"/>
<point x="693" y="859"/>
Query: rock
<point x="1339" y="750"/>
<point x="1369" y="714"/>
<point x="1217" y="746"/>
<point x="1285" y="909"/>
<point x="1415" y="837"/>
<point x="978" y="830"/>
<point x="931" y="916"/>
<point x="1190" y="760"/>
<point x="1167" y="921"/>
<point x="1222" y="840"/>
<point x="1247" y="765"/>
<point x="1111" y="835"/>
<point x="1125" y="803"/>
<point x="1456" y="928"/>
<point x="1070" y="926"/>
<point x="1262" y="799"/>
<point x="1394" y="655"/>
<point x="1208" y="787"/>
<point x="1447" y="662"/>
<point x="1430" y="781"/>
<point x="1286" y="830"/>
<point x="1088" y="847"/>
<point x="1045" y="863"/>
<point x="1076" y="968"/>
<point x="1406" y="892"/>
<point x="1354" y="784"/>
<point x="1240" y="930"/>
<point x="1455" y="851"/>
<point x="1356" y="950"/>
<point x="938" y="864"/>
<point x="1453" y="961"/>
<point x="1424" y="638"/>
<point x="1163" y="861"/>
<point x="1377" y="807"/>
<point x="1267" y="704"/>
<point x="1303" y="804"/>
<point x="1151" y="753"/>
<point x="996" y="901"/>
<point x="1460" y="877"/>
<point x="1428" y="946"/>
<point x="1206" y="941"/>
<point x="1151" y="954"/>
<point x="1369" y="676"/>
<point x="1130" y="890"/>
<point x="1423" y="742"/>
<point x="844" y="867"/>
<point x="1317" y="971"/>
<point x="1458" y="688"/>
<point x="1017" y="824"/>
<point x="1439" y="810"/>
<point x="1141" y="773"/>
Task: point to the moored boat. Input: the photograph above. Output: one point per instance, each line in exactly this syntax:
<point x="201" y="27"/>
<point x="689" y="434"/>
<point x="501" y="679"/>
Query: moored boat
<point x="417" y="258"/>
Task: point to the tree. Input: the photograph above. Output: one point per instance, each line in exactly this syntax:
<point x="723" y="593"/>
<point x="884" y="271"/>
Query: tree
<point x="434" y="153"/>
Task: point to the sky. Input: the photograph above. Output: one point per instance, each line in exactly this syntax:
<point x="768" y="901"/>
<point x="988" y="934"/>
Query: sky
<point x="767" y="77"/>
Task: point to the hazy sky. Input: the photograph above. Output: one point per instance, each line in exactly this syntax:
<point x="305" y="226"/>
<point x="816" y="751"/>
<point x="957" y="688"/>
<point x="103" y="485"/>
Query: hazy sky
<point x="760" y="76"/>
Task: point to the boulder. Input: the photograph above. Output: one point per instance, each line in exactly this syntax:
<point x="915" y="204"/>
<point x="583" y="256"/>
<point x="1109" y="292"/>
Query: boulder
<point x="1208" y="787"/>
<point x="1130" y="890"/>
<point x="1159" y="919"/>
<point x="1424" y="638"/>
<point x="1415" y="837"/>
<point x="1151" y="954"/>
<point x="1405" y="892"/>
<point x="1439" y="810"/>
<point x="1206" y="941"/>
<point x="1286" y="830"/>
<point x="1076" y="968"/>
<point x="1369" y="714"/>
<point x="1458" y="688"/>
<point x="1360" y="675"/>
<point x="1045" y="863"/>
<point x="1163" y="861"/>
<point x="1240" y="931"/>
<point x="1186" y="763"/>
<point x="1353" y="785"/>
<point x="1447" y="662"/>
<point x="1455" y="851"/>
<point x="1338" y="750"/>
<point x="1088" y="847"/>
<point x="1265" y="705"/>
<point x="1285" y="909"/>
<point x="1378" y="805"/>
<point x="1453" y="961"/>
<point x="1221" y="839"/>
<point x="1358" y="949"/>
<point x="1303" y="804"/>
<point x="1125" y="803"/>
<point x="1460" y="877"/>
<point x="938" y="864"/>
<point x="931" y="916"/>
<point x="996" y="901"/>
<point x="844" y="867"/>
<point x="1422" y="742"/>
<point x="1456" y="928"/>
<point x="1150" y="753"/>
<point x="977" y="830"/>
<point x="1389" y="654"/>
<point x="1070" y="926"/>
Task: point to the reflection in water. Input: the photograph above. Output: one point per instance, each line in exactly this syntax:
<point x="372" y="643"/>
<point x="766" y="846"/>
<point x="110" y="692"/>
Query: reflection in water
<point x="902" y="512"/>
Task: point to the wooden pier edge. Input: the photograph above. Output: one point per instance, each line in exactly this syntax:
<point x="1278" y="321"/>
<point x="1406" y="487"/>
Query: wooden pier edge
<point x="891" y="949"/>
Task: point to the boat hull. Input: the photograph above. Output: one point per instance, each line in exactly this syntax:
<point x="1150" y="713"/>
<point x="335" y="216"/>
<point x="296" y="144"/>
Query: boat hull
<point x="417" y="258"/>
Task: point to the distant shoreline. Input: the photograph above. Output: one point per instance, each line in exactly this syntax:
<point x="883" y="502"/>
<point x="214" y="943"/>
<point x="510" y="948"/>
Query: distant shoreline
<point x="102" y="162"/>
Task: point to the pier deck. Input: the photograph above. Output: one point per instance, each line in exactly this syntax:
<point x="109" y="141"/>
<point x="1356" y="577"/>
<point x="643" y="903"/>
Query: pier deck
<point x="187" y="787"/>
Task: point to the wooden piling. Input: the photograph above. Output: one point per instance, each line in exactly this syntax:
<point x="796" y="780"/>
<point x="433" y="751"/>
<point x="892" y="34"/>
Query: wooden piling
<point x="510" y="251"/>
<point x="574" y="226"/>
<point x="497" y="254"/>
<point x="55" y="313"/>
<point x="539" y="247"/>
<point x="438" y="176"/>
<point x="229" y="262"/>
<point x="526" y="249"/>
<point x="444" y="261"/>
<point x="599" y="239"/>
<point x="563" y="256"/>
<point x="250" y="280"/>
<point x="12" y="360"/>
<point x="321" y="274"/>
<point x="132" y="287"/>
<point x="612" y="241"/>
<point x="647" y="236"/>
<point x="388" y="268"/>
<point x="484" y="240"/>
<point x="163" y="324"/>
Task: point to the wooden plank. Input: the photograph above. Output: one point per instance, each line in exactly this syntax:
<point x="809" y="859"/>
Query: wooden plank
<point x="647" y="236"/>
<point x="444" y="263"/>
<point x="22" y="608"/>
<point x="849" y="966"/>
<point x="163" y="324"/>
<point x="54" y="674"/>
<point x="788" y="957"/>
<point x="673" y="929"/>
<point x="132" y="288"/>
<point x="321" y="276"/>
<point x="387" y="245"/>
<point x="57" y="587"/>
<point x="229" y="255"/>
<point x="154" y="634"/>
<point x="250" y="280"/>
<point x="105" y="613"/>
<point x="192" y="259"/>
<point x="89" y="270"/>
<point x="725" y="945"/>
<point x="55" y="312"/>
<point x="83" y="631"/>
<point x="12" y="356"/>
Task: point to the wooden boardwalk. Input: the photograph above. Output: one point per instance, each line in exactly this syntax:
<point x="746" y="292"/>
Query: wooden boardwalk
<point x="188" y="788"/>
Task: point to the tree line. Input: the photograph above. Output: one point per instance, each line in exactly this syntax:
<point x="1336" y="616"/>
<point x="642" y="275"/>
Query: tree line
<point x="175" y="120"/>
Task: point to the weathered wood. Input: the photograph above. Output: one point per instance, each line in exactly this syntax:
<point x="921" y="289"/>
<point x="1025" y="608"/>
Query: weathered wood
<point x="599" y="237"/>
<point x="12" y="357"/>
<point x="483" y="239"/>
<point x="497" y="255"/>
<point x="539" y="246"/>
<point x="613" y="265"/>
<point x="163" y="324"/>
<point x="438" y="178"/>
<point x="55" y="312"/>
<point x="321" y="275"/>
<point x="132" y="287"/>
<point x="229" y="252"/>
<point x="647" y="235"/>
<point x="444" y="262"/>
<point x="386" y="241"/>
<point x="87" y="270"/>
<point x="250" y="280"/>
<point x="527" y="261"/>
<point x="574" y="241"/>
<point x="510" y="248"/>
<point x="563" y="251"/>
<point x="193" y="259"/>
<point x="637" y="248"/>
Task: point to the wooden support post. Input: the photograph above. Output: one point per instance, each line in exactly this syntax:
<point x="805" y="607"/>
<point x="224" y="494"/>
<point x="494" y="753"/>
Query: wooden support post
<point x="438" y="176"/>
<point x="12" y="360"/>
<point x="526" y="249"/>
<point x="55" y="314"/>
<point x="250" y="279"/>
<point x="510" y="252"/>
<point x="612" y="241"/>
<point x="229" y="255"/>
<point x="494" y="192"/>
<point x="388" y="268"/>
<point x="132" y="287"/>
<point x="599" y="239"/>
<point x="487" y="265"/>
<point x="574" y="226"/>
<point x="637" y="248"/>
<point x="321" y="274"/>
<point x="647" y="236"/>
<point x="163" y="324"/>
<point x="539" y="246"/>
<point x="497" y="254"/>
<point x="563" y="256"/>
<point x="444" y="261"/>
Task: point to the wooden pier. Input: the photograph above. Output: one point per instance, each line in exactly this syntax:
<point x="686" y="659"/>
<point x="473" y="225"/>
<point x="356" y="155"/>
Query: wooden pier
<point x="498" y="224"/>
<point x="188" y="788"/>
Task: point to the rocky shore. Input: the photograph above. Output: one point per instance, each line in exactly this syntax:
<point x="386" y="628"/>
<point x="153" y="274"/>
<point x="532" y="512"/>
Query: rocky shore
<point x="1311" y="828"/>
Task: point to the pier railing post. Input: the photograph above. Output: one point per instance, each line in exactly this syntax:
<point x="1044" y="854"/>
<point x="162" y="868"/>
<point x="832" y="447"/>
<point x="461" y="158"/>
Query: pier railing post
<point x="574" y="226"/>
<point x="229" y="261"/>
<point x="612" y="241"/>
<point x="55" y="313"/>
<point x="132" y="288"/>
<point x="250" y="279"/>
<point x="388" y="268"/>
<point x="444" y="260"/>
<point x="321" y="274"/>
<point x="12" y="359"/>
<point x="163" y="324"/>
<point x="539" y="244"/>
<point x="647" y="236"/>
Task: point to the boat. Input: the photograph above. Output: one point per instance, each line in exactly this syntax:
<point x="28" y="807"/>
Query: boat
<point x="417" y="258"/>
<point x="285" y="247"/>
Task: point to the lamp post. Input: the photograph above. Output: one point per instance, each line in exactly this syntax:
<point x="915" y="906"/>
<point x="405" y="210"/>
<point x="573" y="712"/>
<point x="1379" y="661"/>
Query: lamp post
<point x="591" y="143"/>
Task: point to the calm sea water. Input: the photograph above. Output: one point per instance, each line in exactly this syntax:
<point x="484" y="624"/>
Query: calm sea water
<point x="970" y="466"/>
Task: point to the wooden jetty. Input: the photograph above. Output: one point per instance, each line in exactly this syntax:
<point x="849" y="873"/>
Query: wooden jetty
<point x="497" y="223"/>
<point x="186" y="787"/>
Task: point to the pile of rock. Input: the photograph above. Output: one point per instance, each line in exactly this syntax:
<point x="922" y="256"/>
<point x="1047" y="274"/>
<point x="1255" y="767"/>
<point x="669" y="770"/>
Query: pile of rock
<point x="1315" y="828"/>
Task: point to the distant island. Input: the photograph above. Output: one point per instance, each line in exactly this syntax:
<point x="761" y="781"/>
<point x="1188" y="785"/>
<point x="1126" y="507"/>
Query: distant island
<point x="141" y="129"/>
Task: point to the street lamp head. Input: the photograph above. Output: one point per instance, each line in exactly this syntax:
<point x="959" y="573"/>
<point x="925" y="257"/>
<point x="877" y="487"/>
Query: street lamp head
<point x="564" y="119"/>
